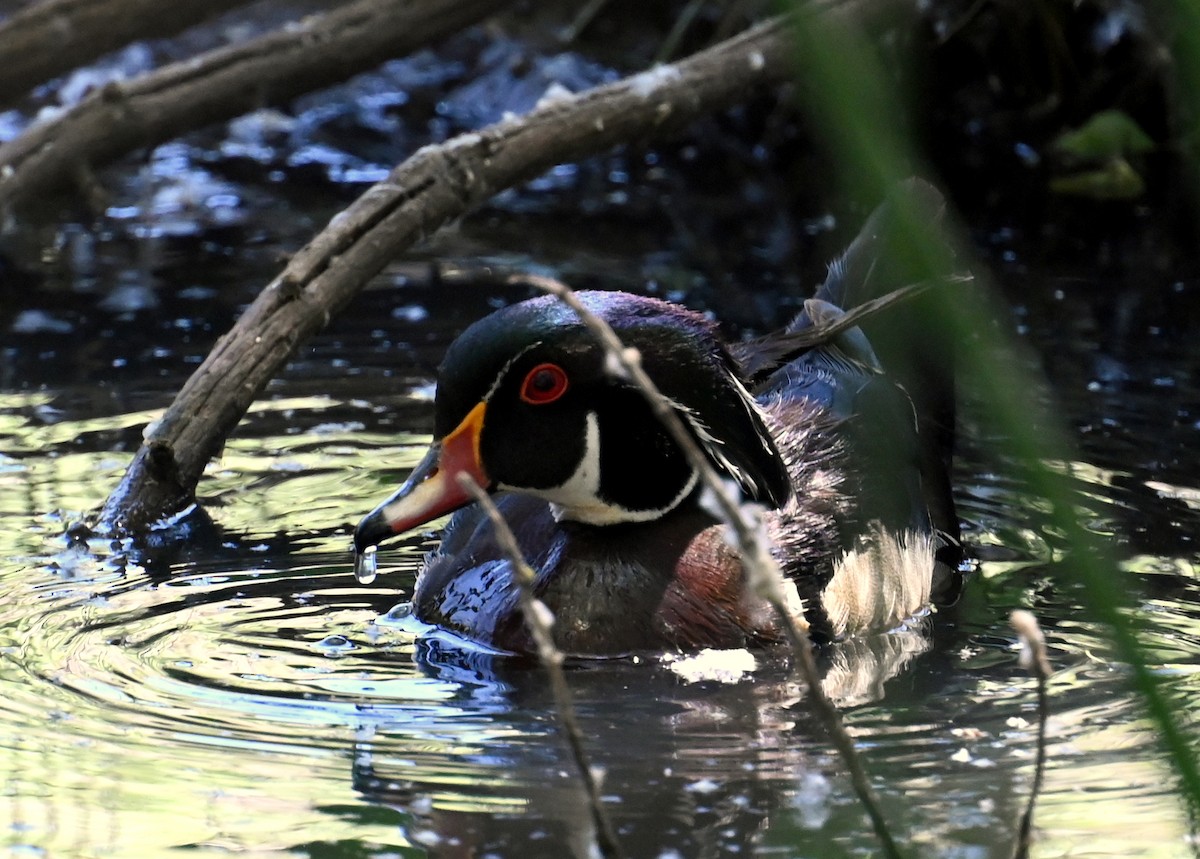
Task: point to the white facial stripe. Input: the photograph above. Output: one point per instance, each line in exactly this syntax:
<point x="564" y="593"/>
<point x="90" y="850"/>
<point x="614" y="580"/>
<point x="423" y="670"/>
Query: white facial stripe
<point x="582" y="487"/>
<point x="578" y="497"/>
<point x="487" y="398"/>
<point x="753" y="406"/>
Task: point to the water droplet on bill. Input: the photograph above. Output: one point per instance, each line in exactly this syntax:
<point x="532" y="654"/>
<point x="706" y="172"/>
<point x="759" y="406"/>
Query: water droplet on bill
<point x="366" y="565"/>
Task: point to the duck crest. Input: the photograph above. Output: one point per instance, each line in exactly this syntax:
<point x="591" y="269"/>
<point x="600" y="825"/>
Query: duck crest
<point x="772" y="491"/>
<point x="705" y="389"/>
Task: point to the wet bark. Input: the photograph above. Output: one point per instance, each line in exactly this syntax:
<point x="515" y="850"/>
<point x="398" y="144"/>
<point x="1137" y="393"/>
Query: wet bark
<point x="318" y="51"/>
<point x="436" y="184"/>
<point x="48" y="39"/>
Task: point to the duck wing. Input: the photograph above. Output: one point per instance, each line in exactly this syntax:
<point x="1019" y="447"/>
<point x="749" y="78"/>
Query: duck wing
<point x="871" y="347"/>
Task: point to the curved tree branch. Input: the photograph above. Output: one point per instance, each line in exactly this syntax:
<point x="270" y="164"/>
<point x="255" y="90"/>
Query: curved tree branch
<point x="436" y="184"/>
<point x="318" y="51"/>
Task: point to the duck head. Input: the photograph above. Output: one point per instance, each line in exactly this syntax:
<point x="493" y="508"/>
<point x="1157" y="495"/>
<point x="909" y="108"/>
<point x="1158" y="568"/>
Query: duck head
<point x="526" y="402"/>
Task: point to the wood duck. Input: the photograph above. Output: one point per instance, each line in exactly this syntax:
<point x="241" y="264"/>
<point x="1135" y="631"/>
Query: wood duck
<point x="607" y="511"/>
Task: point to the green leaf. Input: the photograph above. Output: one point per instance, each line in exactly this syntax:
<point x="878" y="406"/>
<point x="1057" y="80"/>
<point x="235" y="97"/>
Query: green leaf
<point x="1114" y="180"/>
<point x="1108" y="134"/>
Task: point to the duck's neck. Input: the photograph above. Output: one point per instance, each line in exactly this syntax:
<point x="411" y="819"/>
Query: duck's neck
<point x="606" y="584"/>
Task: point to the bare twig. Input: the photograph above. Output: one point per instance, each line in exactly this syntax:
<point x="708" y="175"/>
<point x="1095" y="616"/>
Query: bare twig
<point x="582" y="19"/>
<point x="1036" y="662"/>
<point x="748" y="529"/>
<point x="679" y="28"/>
<point x="539" y="620"/>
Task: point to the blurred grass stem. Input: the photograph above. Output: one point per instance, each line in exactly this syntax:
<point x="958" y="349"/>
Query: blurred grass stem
<point x="1036" y="662"/>
<point x="854" y="107"/>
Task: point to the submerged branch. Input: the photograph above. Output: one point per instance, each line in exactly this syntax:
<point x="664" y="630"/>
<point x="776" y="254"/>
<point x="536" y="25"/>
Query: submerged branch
<point x="763" y="574"/>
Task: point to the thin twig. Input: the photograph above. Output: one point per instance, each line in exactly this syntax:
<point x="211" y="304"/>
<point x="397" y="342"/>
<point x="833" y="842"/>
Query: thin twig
<point x="748" y="530"/>
<point x="1035" y="661"/>
<point x="582" y="19"/>
<point x="679" y="29"/>
<point x="539" y="619"/>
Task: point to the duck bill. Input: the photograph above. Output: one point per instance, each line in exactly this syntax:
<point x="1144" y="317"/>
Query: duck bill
<point x="432" y="490"/>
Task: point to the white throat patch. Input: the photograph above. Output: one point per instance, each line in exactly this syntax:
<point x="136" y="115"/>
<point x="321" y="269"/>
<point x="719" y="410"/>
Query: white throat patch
<point x="578" y="498"/>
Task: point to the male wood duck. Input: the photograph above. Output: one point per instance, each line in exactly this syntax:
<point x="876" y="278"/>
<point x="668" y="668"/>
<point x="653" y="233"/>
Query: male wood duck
<point x="607" y="510"/>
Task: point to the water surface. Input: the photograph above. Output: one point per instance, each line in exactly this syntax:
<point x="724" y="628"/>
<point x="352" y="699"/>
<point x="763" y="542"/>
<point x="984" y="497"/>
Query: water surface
<point x="239" y="692"/>
<point x="243" y="693"/>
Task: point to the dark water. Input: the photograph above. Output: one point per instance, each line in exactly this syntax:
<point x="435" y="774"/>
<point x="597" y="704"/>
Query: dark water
<point x="242" y="694"/>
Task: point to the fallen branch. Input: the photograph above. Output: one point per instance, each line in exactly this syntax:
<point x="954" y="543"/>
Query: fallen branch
<point x="763" y="574"/>
<point x="50" y="38"/>
<point x="539" y="620"/>
<point x="318" y="51"/>
<point x="435" y="185"/>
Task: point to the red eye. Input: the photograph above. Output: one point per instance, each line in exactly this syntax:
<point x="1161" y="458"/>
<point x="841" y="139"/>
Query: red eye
<point x="545" y="383"/>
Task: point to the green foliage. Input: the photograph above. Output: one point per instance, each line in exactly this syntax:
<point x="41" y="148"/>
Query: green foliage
<point x="1107" y="134"/>
<point x="1106" y="144"/>
<point x="1115" y="179"/>
<point x="1183" y="22"/>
